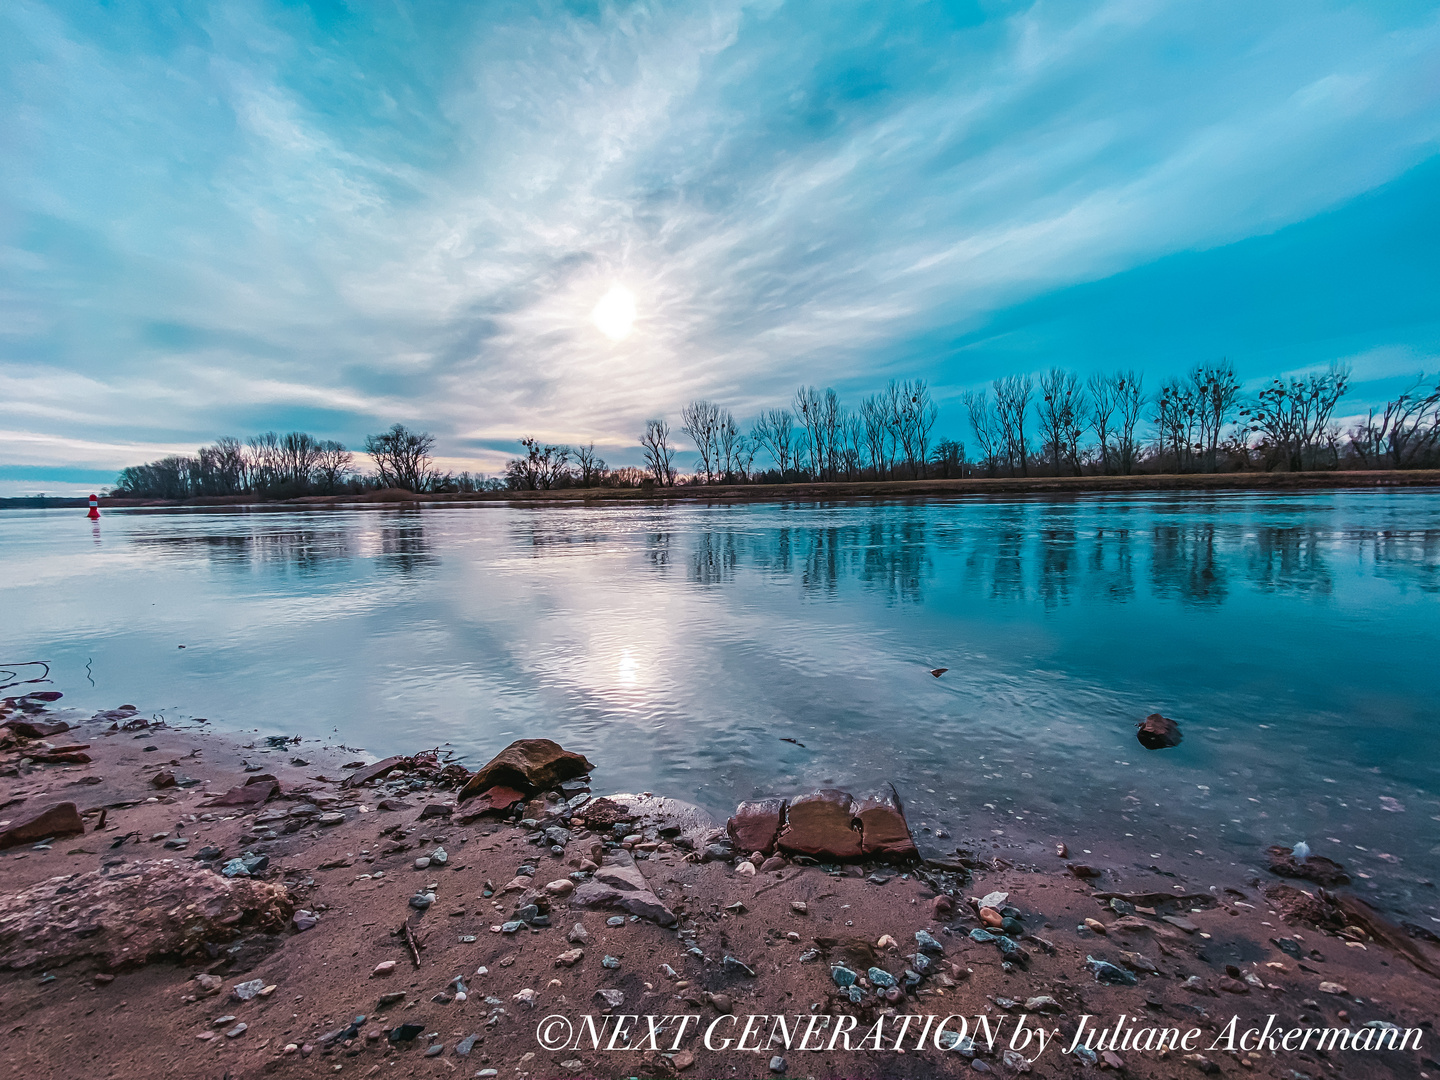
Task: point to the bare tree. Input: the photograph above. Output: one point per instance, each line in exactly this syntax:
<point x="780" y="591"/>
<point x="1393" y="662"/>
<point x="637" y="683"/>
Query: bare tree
<point x="913" y="416"/>
<point x="875" y="419"/>
<point x="1061" y="408"/>
<point x="266" y="467"/>
<point x="701" y="421"/>
<point x="1407" y="432"/>
<point x="659" y="454"/>
<point x="1216" y="392"/>
<point x="332" y="464"/>
<point x="774" y="430"/>
<point x="729" y="443"/>
<point x="1103" y="402"/>
<point x="986" y="426"/>
<point x="1176" y="419"/>
<point x="298" y="455"/>
<point x="402" y="457"/>
<point x="1012" y="403"/>
<point x="541" y="469"/>
<point x="809" y="406"/>
<point x="1130" y="399"/>
<point x="1292" y="416"/>
<point x="591" y="466"/>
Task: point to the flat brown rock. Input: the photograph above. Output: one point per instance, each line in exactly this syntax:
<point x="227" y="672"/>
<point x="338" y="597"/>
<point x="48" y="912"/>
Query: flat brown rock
<point x="497" y="799"/>
<point x="756" y="824"/>
<point x="62" y="819"/>
<point x="372" y="772"/>
<point x="528" y="765"/>
<point x="822" y="824"/>
<point x="1316" y="868"/>
<point x="250" y="793"/>
<point x="141" y="911"/>
<point x="883" y="830"/>
<point x="618" y="883"/>
<point x="30" y="729"/>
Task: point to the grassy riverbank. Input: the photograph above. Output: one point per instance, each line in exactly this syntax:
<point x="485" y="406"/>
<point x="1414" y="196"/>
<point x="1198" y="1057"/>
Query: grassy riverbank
<point x="820" y="492"/>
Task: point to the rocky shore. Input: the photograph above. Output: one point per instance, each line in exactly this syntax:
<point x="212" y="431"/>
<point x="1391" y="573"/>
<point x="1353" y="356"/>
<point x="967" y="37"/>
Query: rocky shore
<point x="180" y="903"/>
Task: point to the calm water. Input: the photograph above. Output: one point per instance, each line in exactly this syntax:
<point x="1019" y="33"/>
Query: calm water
<point x="1296" y="639"/>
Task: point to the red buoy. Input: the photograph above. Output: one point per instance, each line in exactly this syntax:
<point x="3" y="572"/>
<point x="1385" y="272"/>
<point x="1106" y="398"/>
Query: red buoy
<point x="94" y="514"/>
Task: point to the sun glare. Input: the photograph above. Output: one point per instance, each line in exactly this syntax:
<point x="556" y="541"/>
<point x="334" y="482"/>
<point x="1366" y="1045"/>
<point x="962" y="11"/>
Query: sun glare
<point x="615" y="313"/>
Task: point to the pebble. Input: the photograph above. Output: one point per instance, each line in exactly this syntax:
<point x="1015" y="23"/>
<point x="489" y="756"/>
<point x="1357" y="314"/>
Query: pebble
<point x="683" y="1060"/>
<point x="1095" y="926"/>
<point x="771" y="864"/>
<point x="990" y="917"/>
<point x="435" y="1051"/>
<point x="745" y="869"/>
<point x="843" y="976"/>
<point x="1333" y="988"/>
<point x="332" y="817"/>
<point x="422" y="863"/>
<point x="615" y="920"/>
<point x="560" y="887"/>
<point x="799" y="907"/>
<point x="512" y="926"/>
<point x="928" y="944"/>
<point x="611" y="962"/>
<point x="994" y="900"/>
<point x="385" y="967"/>
<point x="236" y="1031"/>
<point x="880" y="977"/>
<point x="777" y="1064"/>
<point x="421" y="901"/>
<point x="305" y="920"/>
<point x="578" y="935"/>
<point x="1106" y="972"/>
<point x="809" y="956"/>
<point x="730" y="963"/>
<point x="439" y="857"/>
<point x="465" y="1045"/>
<point x="570" y="958"/>
<point x="613" y="999"/>
<point x="247" y="990"/>
<point x="525" y="997"/>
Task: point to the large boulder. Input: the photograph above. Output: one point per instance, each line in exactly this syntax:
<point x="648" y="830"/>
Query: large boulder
<point x="618" y="883"/>
<point x="527" y="765"/>
<point x="756" y="824"/>
<point x="883" y="831"/>
<point x="62" y="819"/>
<point x="256" y="791"/>
<point x="143" y="910"/>
<point x="822" y="824"/>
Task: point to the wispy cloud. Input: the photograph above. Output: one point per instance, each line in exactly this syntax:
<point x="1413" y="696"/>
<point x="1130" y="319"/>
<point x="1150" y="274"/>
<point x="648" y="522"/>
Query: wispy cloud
<point x="409" y="213"/>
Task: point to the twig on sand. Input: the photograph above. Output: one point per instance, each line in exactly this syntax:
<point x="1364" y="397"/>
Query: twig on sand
<point x="410" y="940"/>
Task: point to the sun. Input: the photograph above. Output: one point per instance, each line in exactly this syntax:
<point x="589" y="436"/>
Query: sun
<point x="615" y="313"/>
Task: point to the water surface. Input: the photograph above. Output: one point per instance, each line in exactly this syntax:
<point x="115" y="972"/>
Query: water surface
<point x="1294" y="637"/>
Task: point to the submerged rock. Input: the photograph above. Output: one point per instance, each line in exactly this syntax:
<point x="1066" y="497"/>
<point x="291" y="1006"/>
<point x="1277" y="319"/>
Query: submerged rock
<point x="883" y="830"/>
<point x="1158" y="732"/>
<point x="755" y="825"/>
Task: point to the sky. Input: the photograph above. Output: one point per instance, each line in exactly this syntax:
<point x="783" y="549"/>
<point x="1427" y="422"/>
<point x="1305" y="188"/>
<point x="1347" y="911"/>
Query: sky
<point x="224" y="219"/>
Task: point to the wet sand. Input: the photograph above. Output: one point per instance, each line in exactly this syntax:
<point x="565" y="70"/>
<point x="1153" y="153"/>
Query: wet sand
<point x="1210" y="940"/>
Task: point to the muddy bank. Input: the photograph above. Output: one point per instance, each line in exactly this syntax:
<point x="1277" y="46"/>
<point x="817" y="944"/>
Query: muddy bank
<point x="377" y="923"/>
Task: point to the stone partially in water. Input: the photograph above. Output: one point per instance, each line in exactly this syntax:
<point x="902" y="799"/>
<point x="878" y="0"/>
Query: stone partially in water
<point x="822" y="824"/>
<point x="527" y="765"/>
<point x="1158" y="732"/>
<point x="883" y="830"/>
<point x="755" y="825"/>
<point x="1314" y="868"/>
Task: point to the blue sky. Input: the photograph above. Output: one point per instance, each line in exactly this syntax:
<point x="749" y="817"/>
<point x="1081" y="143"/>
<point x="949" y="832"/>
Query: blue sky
<point x="222" y="219"/>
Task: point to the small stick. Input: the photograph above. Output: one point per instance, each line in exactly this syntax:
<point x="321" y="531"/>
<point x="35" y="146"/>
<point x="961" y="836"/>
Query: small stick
<point x="414" y="945"/>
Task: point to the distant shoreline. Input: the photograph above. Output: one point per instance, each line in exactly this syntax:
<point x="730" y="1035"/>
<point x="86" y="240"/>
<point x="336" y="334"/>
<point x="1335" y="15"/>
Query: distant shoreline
<point x="814" y="491"/>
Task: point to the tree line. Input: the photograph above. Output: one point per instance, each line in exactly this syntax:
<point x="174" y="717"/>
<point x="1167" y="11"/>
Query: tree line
<point x="1022" y="425"/>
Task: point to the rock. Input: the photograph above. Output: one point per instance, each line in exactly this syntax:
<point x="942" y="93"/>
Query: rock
<point x="1195" y="984"/>
<point x="256" y="791"/>
<point x="1042" y="1003"/>
<point x="716" y="853"/>
<point x="372" y="772"/>
<point x="247" y="990"/>
<point x="745" y="868"/>
<point x="1333" y="988"/>
<point x="755" y="825"/>
<point x="30" y="729"/>
<point x="465" y="1045"/>
<point x="422" y="900"/>
<point x="1179" y="922"/>
<point x="1158" y="732"/>
<point x="61" y="819"/>
<point x="612" y="999"/>
<point x="615" y="920"/>
<point x="1201" y="1062"/>
<point x="305" y="920"/>
<point x="154" y="908"/>
<point x="1080" y="870"/>
<point x="994" y="900"/>
<point x="434" y="810"/>
<point x="1112" y="1059"/>
<point x="422" y="863"/>
<point x="527" y="765"/>
<point x="406" y="1032"/>
<point x="1095" y="925"/>
<point x="880" y="977"/>
<point x="163" y="780"/>
<point x="560" y="887"/>
<point x="989" y="916"/>
<point x="883" y="831"/>
<point x="1314" y="868"/>
<point x="570" y="958"/>
<point x="928" y="944"/>
<point x="843" y="976"/>
<point x="439" y="857"/>
<point x="333" y="817"/>
<point x="610" y="962"/>
<point x="822" y="824"/>
<point x="385" y="967"/>
<point x="799" y="907"/>
<point x="809" y="956"/>
<point x="1016" y="1061"/>
<point x="774" y="862"/>
<point x="578" y="935"/>
<point x="618" y="883"/>
<point x="683" y="1060"/>
<point x="208" y="983"/>
<point x="1106" y="972"/>
<point x="1139" y="962"/>
<point x="777" y="1064"/>
<point x="236" y="1031"/>
<point x="737" y="967"/>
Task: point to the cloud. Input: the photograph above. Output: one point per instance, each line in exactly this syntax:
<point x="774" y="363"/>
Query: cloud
<point x="410" y="213"/>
